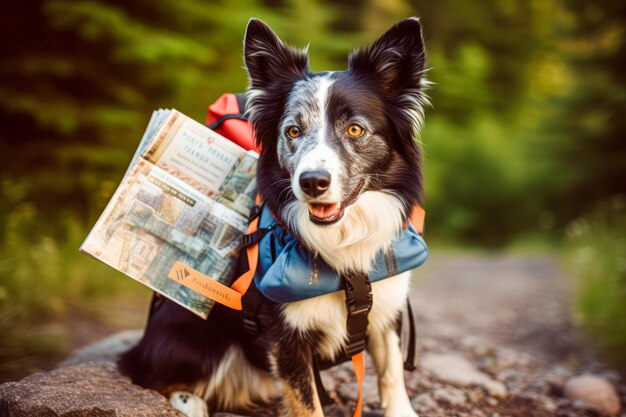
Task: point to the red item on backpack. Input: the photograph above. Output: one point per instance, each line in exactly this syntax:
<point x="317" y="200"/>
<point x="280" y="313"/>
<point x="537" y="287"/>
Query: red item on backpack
<point x="225" y="116"/>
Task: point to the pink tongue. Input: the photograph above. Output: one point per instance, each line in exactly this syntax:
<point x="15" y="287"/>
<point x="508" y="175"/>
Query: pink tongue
<point x="323" y="211"/>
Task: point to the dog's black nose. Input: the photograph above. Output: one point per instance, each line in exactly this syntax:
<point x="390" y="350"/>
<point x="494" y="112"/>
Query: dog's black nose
<point x="314" y="183"/>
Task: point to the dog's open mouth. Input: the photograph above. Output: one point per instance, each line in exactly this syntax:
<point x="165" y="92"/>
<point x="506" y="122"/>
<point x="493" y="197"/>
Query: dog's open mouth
<point x="329" y="213"/>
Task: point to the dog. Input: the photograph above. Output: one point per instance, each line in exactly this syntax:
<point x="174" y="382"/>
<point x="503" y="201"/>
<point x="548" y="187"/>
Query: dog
<point x="341" y="168"/>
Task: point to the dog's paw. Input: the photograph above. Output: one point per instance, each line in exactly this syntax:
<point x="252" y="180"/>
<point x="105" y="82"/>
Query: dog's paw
<point x="402" y="411"/>
<point x="189" y="404"/>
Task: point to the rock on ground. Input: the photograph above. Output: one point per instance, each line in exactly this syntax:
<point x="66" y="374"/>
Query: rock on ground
<point x="456" y="370"/>
<point x="85" y="390"/>
<point x="106" y="350"/>
<point x="596" y="392"/>
<point x="451" y="396"/>
<point x="350" y="390"/>
<point x="424" y="403"/>
<point x="495" y="339"/>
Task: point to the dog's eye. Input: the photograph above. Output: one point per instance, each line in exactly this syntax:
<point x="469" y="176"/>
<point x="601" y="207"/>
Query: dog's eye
<point x="355" y="130"/>
<point x="294" y="132"/>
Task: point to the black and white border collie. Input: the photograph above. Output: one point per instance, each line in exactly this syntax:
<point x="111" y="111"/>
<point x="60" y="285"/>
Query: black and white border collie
<point x="341" y="168"/>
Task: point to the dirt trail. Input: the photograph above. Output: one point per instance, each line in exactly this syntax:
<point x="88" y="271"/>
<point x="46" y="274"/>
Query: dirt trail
<point x="520" y="302"/>
<point x="505" y="321"/>
<point x="495" y="339"/>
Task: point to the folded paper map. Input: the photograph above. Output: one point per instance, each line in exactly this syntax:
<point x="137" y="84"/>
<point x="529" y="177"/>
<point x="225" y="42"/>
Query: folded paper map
<point x="185" y="199"/>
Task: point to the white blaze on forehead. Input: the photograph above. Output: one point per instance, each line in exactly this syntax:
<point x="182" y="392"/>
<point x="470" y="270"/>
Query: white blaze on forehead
<point x="321" y="97"/>
<point x="316" y="154"/>
<point x="308" y="101"/>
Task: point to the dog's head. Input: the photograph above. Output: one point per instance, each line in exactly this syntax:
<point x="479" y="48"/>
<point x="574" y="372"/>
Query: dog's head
<point x="328" y="138"/>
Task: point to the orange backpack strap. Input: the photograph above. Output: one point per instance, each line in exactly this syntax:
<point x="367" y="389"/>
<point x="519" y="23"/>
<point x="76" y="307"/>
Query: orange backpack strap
<point x="242" y="283"/>
<point x="358" y="361"/>
<point x="210" y="288"/>
<point x="417" y="218"/>
<point x="358" y="292"/>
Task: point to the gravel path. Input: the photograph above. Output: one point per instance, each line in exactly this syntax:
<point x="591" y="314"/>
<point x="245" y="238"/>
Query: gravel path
<point x="520" y="302"/>
<point x="495" y="339"/>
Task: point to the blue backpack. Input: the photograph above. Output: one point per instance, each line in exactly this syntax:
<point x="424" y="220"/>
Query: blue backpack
<point x="280" y="267"/>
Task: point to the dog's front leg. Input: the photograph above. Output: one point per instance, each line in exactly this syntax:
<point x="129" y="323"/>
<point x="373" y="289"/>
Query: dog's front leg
<point x="384" y="346"/>
<point x="293" y="366"/>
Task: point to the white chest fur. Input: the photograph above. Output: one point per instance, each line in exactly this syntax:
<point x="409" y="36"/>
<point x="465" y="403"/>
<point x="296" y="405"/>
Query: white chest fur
<point x="368" y="227"/>
<point x="327" y="314"/>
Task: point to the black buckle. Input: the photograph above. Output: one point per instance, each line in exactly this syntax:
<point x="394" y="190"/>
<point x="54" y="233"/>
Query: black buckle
<point x="250" y="326"/>
<point x="255" y="212"/>
<point x="248" y="240"/>
<point x="356" y="346"/>
<point x="357" y="323"/>
<point x="354" y="309"/>
<point x="252" y="238"/>
<point x="359" y="300"/>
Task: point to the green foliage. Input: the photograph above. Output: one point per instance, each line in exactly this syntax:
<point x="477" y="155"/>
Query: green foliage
<point x="525" y="135"/>
<point x="596" y="256"/>
<point x="43" y="281"/>
<point x="526" y="96"/>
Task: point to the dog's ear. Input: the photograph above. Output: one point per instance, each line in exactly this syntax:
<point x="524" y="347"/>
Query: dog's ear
<point x="397" y="58"/>
<point x="268" y="58"/>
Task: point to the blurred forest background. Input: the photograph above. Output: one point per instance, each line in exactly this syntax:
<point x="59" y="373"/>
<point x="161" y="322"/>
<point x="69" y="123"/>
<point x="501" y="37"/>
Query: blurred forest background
<point x="525" y="144"/>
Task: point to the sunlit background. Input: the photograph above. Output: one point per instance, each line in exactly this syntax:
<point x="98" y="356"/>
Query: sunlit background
<point x="525" y="143"/>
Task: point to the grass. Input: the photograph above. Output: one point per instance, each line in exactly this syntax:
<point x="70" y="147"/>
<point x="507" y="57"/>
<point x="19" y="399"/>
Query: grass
<point x="596" y="256"/>
<point x="45" y="284"/>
